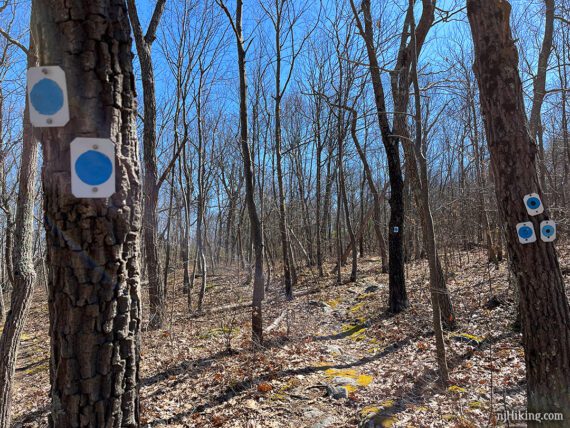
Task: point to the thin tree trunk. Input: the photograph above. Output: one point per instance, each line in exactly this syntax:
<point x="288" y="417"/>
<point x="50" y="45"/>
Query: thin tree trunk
<point x="362" y="204"/>
<point x="539" y="88"/>
<point x="438" y="290"/>
<point x="353" y="246"/>
<point x="398" y="299"/>
<point x="318" y="202"/>
<point x="157" y="290"/>
<point x="373" y="190"/>
<point x="2" y="304"/>
<point x="24" y="272"/>
<point x="338" y="235"/>
<point x="200" y="226"/>
<point x="255" y="223"/>
<point x="168" y="228"/>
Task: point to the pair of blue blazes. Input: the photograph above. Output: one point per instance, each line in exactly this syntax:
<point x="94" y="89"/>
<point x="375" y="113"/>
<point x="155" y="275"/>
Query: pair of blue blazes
<point x="92" y="167"/>
<point x="526" y="232"/>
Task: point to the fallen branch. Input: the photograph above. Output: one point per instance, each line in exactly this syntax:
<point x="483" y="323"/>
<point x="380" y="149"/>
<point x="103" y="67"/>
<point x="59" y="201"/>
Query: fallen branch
<point x="277" y="321"/>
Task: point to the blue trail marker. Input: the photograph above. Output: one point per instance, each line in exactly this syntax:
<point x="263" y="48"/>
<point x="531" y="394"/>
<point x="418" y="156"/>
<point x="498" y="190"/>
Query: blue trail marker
<point x="548" y="230"/>
<point x="533" y="204"/>
<point x="525" y="232"/>
<point x="92" y="167"/>
<point x="47" y="93"/>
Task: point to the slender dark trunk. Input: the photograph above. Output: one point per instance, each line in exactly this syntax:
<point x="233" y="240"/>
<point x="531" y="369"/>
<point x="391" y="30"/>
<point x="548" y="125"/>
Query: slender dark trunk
<point x="398" y="298"/>
<point x="254" y="220"/>
<point x="318" y="203"/>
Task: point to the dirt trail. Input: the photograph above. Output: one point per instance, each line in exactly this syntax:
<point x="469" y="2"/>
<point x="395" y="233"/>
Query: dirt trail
<point x="201" y="371"/>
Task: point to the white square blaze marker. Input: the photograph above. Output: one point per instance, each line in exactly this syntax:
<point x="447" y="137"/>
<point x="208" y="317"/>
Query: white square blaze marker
<point x="92" y="167"/>
<point x="533" y="204"/>
<point x="548" y="230"/>
<point x="525" y="232"/>
<point x="47" y="95"/>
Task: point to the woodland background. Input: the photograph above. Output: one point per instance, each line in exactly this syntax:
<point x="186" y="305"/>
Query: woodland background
<point x="321" y="189"/>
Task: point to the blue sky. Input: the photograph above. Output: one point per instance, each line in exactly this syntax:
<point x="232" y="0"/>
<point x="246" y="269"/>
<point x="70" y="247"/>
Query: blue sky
<point x="444" y="38"/>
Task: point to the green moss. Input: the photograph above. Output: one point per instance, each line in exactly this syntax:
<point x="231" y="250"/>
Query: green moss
<point x="456" y="389"/>
<point x="219" y="332"/>
<point x="469" y="338"/>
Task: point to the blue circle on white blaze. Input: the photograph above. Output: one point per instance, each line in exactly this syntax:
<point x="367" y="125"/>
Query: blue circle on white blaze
<point x="547" y="231"/>
<point x="46" y="97"/>
<point x="525" y="232"/>
<point x="93" y="167"/>
<point x="533" y="202"/>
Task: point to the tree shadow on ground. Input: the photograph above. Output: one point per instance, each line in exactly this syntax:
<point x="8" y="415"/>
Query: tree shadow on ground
<point x="244" y="385"/>
<point x="426" y="384"/>
<point x="32" y="417"/>
<point x="419" y="393"/>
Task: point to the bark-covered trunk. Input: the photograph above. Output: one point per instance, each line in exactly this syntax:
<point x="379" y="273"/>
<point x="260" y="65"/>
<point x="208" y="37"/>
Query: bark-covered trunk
<point x="438" y="290"/>
<point x="92" y="244"/>
<point x="344" y="200"/>
<point x="539" y="88"/>
<point x="255" y="222"/>
<point x="545" y="313"/>
<point x="282" y="209"/>
<point x="2" y="304"/>
<point x="318" y="201"/>
<point x="373" y="189"/>
<point x="24" y="272"/>
<point x="398" y="298"/>
<point x="151" y="185"/>
<point x="200" y="226"/>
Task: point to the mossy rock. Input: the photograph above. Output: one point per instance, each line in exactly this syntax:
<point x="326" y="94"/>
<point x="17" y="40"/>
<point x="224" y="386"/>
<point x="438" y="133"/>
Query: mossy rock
<point x="377" y="420"/>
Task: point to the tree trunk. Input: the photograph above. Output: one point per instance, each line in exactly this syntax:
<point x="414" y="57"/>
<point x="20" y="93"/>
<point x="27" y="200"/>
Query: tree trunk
<point x="92" y="244"/>
<point x="24" y="273"/>
<point x="398" y="298"/>
<point x="255" y="223"/>
<point x="539" y="88"/>
<point x="373" y="189"/>
<point x="318" y="202"/>
<point x="200" y="226"/>
<point x="344" y="199"/>
<point x="2" y="304"/>
<point x="157" y="290"/>
<point x="438" y="290"/>
<point x="545" y="313"/>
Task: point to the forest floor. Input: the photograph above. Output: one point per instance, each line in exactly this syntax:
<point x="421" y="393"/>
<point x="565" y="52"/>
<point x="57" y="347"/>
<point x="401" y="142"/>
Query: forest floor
<point x="202" y="372"/>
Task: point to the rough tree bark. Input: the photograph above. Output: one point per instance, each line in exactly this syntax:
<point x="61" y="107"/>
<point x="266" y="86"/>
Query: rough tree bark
<point x="254" y="220"/>
<point x="545" y="313"/>
<point x="344" y="198"/>
<point x="92" y="244"/>
<point x="402" y="77"/>
<point x="539" y="87"/>
<point x="398" y="298"/>
<point x="438" y="290"/>
<point x="373" y="189"/>
<point x="201" y="208"/>
<point x="151" y="182"/>
<point x="24" y="272"/>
